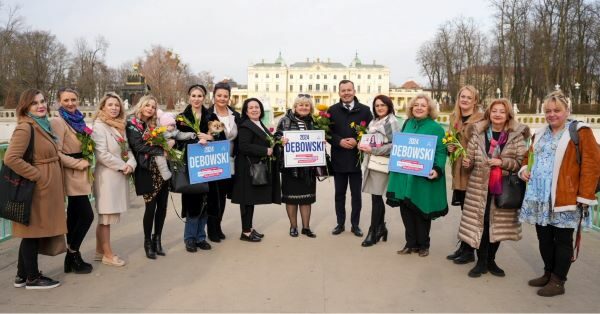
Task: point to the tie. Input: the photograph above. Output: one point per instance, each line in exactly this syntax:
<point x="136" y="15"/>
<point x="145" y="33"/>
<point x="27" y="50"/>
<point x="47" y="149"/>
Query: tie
<point x="347" y="106"/>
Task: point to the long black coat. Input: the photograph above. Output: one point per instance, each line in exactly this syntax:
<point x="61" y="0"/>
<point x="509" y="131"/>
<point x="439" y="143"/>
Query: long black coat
<point x="346" y="160"/>
<point x="191" y="204"/>
<point x="143" y="154"/>
<point x="253" y="146"/>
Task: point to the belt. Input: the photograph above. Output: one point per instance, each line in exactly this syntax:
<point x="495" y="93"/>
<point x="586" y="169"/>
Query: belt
<point x="76" y="155"/>
<point x="45" y="161"/>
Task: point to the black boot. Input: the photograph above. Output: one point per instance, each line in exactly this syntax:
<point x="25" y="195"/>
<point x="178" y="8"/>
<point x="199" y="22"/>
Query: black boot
<point x="74" y="263"/>
<point x="456" y="253"/>
<point x="491" y="261"/>
<point x="157" y="245"/>
<point x="150" y="253"/>
<point x="466" y="256"/>
<point x="481" y="266"/>
<point x="211" y="229"/>
<point x="371" y="238"/>
<point x="382" y="232"/>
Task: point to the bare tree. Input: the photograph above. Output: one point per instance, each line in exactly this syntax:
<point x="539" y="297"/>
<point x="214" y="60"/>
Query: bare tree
<point x="166" y="75"/>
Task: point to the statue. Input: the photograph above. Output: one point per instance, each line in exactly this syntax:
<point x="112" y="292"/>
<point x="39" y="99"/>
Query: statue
<point x="126" y="104"/>
<point x="515" y="108"/>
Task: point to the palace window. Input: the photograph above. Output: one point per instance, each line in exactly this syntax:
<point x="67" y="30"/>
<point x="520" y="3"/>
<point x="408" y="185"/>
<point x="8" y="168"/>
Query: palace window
<point x="344" y="77"/>
<point x="358" y="76"/>
<point x="379" y="89"/>
<point x="310" y="77"/>
<point x="267" y="75"/>
<point x="380" y="76"/>
<point x="301" y="88"/>
<point x="277" y="87"/>
<point x="291" y="76"/>
<point x="335" y="77"/>
<point x="255" y="75"/>
<point x="358" y="88"/>
<point x="300" y="76"/>
<point x="325" y="76"/>
<point x="369" y="89"/>
<point x="267" y="86"/>
<point x="318" y="87"/>
<point x="309" y="87"/>
<point x="318" y="77"/>
<point x="256" y="87"/>
<point x="276" y="75"/>
<point x="325" y="87"/>
<point x="334" y="88"/>
<point x="291" y="88"/>
<point x="369" y="76"/>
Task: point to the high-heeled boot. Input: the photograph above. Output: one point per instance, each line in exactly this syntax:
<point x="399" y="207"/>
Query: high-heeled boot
<point x="157" y="245"/>
<point x="371" y="237"/>
<point x="382" y="232"/>
<point x="150" y="253"/>
<point x="74" y="263"/>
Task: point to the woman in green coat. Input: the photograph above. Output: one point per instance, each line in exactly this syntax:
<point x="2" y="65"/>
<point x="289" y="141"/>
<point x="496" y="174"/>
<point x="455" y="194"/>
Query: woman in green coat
<point x="414" y="193"/>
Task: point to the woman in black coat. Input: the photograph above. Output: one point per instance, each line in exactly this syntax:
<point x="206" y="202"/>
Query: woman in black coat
<point x="193" y="205"/>
<point x="147" y="178"/>
<point x="219" y="190"/>
<point x="255" y="145"/>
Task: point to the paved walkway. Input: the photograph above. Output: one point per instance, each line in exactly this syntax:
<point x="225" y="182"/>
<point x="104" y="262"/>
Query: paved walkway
<point x="284" y="274"/>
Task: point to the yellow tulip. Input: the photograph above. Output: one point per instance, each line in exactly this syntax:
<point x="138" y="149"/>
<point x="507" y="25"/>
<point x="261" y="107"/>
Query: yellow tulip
<point x="322" y="107"/>
<point x="352" y="124"/>
<point x="444" y="141"/>
<point x="450" y="138"/>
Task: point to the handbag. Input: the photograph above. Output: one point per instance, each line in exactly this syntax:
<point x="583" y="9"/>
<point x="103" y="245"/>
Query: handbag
<point x="259" y="173"/>
<point x="378" y="163"/>
<point x="180" y="182"/>
<point x="52" y="246"/>
<point x="324" y="171"/>
<point x="17" y="191"/>
<point x="513" y="192"/>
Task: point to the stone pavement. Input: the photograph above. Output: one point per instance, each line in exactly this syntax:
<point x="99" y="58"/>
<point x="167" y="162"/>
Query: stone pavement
<point x="284" y="274"/>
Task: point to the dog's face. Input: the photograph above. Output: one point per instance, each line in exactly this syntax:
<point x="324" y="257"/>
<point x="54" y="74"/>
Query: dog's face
<point x="215" y="127"/>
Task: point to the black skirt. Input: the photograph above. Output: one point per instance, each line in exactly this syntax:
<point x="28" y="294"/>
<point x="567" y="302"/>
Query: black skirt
<point x="298" y="190"/>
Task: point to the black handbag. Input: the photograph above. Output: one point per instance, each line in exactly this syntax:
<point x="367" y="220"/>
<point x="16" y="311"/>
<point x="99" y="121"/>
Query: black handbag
<point x="513" y="192"/>
<point x="180" y="182"/>
<point x="259" y="172"/>
<point x="17" y="191"/>
<point x="324" y="171"/>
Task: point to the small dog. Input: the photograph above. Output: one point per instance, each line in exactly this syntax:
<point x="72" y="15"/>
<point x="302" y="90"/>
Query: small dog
<point x="215" y="127"/>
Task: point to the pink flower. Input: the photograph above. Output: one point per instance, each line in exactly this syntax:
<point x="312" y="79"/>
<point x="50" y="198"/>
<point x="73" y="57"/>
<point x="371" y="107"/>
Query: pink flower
<point x="328" y="115"/>
<point x="363" y="123"/>
<point x="87" y="130"/>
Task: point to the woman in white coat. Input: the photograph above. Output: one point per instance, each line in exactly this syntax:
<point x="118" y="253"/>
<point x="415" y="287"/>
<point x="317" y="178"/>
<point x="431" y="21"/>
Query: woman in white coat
<point x="114" y="164"/>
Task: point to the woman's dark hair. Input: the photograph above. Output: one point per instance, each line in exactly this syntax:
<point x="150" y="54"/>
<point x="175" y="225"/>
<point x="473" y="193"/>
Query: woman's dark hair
<point x="387" y="101"/>
<point x="197" y="86"/>
<point x="222" y="85"/>
<point x="245" y="108"/>
<point x="26" y="100"/>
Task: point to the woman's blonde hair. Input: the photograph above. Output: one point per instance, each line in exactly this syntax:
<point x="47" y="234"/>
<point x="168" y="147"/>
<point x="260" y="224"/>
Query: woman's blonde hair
<point x="456" y="113"/>
<point x="103" y="101"/>
<point x="433" y="112"/>
<point x="558" y="97"/>
<point x="303" y="100"/>
<point x="137" y="110"/>
<point x="510" y="123"/>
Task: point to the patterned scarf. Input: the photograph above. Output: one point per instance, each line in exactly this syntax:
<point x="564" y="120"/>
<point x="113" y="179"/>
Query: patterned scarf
<point x="75" y="120"/>
<point x="495" y="182"/>
<point x="118" y="124"/>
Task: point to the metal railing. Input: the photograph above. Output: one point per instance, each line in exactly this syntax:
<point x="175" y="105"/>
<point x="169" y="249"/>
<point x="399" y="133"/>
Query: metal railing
<point x="5" y="225"/>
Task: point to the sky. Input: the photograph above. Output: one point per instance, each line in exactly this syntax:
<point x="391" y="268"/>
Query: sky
<point x="225" y="37"/>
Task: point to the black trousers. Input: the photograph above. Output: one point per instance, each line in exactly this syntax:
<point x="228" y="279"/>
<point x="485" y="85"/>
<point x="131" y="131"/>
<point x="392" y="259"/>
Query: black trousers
<point x="341" y="181"/>
<point x="487" y="250"/>
<point x="556" y="248"/>
<point x="27" y="265"/>
<point x="416" y="228"/>
<point x="378" y="211"/>
<point x="246" y="213"/>
<point x="156" y="212"/>
<point x="217" y="198"/>
<point x="79" y="220"/>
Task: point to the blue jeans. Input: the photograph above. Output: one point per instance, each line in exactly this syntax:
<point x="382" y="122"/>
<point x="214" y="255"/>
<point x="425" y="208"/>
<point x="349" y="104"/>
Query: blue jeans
<point x="195" y="229"/>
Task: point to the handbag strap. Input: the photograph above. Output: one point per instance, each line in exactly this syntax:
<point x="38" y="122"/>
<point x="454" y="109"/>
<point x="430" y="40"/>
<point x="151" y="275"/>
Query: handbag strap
<point x="177" y="213"/>
<point x="28" y="156"/>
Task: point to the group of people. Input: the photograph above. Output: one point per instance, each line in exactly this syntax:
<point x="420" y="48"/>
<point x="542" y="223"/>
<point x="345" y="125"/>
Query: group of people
<point x="495" y="146"/>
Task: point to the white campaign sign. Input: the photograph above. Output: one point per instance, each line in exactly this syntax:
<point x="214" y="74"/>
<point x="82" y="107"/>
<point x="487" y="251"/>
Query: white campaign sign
<point x="304" y="148"/>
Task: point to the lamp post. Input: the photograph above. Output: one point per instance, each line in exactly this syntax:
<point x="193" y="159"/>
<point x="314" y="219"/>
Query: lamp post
<point x="577" y="92"/>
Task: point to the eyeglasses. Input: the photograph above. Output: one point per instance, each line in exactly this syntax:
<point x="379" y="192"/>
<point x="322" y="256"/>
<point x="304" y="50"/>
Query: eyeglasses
<point x="304" y="96"/>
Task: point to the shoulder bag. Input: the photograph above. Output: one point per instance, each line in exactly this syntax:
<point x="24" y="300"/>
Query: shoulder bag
<point x="17" y="191"/>
<point x="378" y="163"/>
<point x="513" y="192"/>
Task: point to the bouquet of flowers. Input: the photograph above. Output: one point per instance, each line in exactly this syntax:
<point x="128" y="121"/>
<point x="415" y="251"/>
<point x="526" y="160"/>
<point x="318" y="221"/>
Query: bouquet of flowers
<point x="452" y="137"/>
<point x="322" y="120"/>
<point x="124" y="149"/>
<point x="87" y="149"/>
<point x="155" y="137"/>
<point x="195" y="126"/>
<point x="360" y="129"/>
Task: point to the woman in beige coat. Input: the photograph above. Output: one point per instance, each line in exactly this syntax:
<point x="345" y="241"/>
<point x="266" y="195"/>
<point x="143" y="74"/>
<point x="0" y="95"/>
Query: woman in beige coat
<point x="114" y="164"/>
<point x="47" y="209"/>
<point x="69" y="127"/>
<point x="497" y="147"/>
<point x="466" y="113"/>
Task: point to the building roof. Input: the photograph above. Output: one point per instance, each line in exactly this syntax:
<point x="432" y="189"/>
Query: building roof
<point x="323" y="64"/>
<point x="410" y="85"/>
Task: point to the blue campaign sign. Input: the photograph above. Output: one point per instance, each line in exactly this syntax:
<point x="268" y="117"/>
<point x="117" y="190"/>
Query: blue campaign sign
<point x="208" y="162"/>
<point x="412" y="153"/>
